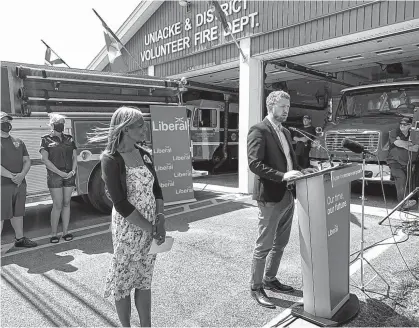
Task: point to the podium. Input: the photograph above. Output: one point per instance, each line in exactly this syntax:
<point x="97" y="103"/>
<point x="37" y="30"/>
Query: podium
<point x="323" y="209"/>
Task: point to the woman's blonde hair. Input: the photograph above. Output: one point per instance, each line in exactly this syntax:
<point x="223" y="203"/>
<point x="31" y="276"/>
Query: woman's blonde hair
<point x="55" y="117"/>
<point x="121" y="118"/>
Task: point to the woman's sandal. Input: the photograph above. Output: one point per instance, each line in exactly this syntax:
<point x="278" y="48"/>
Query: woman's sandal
<point x="68" y="237"/>
<point x="54" y="240"/>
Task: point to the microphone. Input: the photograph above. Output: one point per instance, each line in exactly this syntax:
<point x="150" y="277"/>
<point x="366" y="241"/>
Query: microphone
<point x="354" y="146"/>
<point x="305" y="134"/>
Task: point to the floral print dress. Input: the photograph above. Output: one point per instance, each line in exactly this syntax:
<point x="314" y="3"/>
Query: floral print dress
<point x="131" y="265"/>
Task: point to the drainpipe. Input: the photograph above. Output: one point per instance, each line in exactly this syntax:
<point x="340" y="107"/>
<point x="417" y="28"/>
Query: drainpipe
<point x="225" y="141"/>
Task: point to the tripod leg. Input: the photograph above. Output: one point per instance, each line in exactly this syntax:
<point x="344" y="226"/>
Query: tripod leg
<point x="399" y="205"/>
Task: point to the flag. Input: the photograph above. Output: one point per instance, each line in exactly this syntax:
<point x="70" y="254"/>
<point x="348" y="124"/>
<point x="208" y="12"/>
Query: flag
<point x="219" y="14"/>
<point x="51" y="62"/>
<point x="114" y="47"/>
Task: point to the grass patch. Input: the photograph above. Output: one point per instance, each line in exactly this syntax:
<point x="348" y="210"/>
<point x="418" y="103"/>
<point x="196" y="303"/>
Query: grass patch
<point x="400" y="309"/>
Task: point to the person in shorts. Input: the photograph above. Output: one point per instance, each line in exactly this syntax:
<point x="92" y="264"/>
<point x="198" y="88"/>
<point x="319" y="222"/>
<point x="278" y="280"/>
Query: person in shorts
<point x="59" y="155"/>
<point x="15" y="164"/>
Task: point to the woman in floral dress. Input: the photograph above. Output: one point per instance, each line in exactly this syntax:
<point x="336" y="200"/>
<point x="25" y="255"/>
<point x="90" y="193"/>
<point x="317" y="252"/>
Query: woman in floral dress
<point x="137" y="215"/>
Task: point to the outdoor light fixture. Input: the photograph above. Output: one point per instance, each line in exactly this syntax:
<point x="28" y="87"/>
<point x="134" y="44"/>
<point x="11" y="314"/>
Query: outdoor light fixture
<point x="185" y="3"/>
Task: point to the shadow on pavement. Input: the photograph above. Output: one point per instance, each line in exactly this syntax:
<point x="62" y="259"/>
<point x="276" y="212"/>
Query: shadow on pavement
<point x="49" y="258"/>
<point x="284" y="303"/>
<point x="42" y="299"/>
<point x="206" y="194"/>
<point x="36" y="221"/>
<point x="355" y="220"/>
<point x="48" y="312"/>
<point x="181" y="222"/>
<point x="46" y="259"/>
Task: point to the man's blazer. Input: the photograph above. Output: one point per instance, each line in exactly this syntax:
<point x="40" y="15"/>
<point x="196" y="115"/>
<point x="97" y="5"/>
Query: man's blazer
<point x="268" y="162"/>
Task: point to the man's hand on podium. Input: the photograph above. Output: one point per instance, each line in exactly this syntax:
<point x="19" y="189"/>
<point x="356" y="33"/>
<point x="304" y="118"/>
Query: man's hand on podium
<point x="309" y="170"/>
<point x="292" y="175"/>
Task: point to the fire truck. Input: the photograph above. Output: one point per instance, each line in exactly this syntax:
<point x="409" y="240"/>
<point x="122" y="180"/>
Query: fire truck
<point x="87" y="99"/>
<point x="208" y="121"/>
<point x="207" y="130"/>
<point x="366" y="114"/>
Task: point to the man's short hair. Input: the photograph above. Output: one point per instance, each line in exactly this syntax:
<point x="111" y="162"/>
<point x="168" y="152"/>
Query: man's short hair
<point x="273" y="98"/>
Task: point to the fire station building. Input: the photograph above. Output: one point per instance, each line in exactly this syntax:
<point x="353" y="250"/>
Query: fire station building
<point x="316" y="47"/>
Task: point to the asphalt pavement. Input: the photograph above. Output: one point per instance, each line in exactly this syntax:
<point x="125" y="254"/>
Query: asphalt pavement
<point x="202" y="281"/>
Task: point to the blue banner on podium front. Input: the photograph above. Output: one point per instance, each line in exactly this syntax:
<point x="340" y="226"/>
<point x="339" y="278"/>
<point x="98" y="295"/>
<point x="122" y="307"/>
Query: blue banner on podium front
<point x="172" y="157"/>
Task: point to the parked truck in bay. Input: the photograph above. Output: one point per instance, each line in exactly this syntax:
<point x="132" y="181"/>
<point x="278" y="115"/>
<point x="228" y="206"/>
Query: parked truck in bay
<point x="366" y="114"/>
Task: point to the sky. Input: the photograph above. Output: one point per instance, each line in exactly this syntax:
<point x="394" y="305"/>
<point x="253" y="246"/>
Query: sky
<point x="69" y="27"/>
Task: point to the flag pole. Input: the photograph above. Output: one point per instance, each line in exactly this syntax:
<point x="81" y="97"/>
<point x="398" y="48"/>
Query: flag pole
<point x="238" y="46"/>
<point x="219" y="14"/>
<point x="117" y="39"/>
<point x="54" y="52"/>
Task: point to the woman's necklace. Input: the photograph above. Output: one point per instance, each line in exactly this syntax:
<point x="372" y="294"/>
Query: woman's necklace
<point x="133" y="158"/>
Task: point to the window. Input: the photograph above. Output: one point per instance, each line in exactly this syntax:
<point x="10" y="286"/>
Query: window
<point x="233" y="120"/>
<point x="205" y="118"/>
<point x="377" y="101"/>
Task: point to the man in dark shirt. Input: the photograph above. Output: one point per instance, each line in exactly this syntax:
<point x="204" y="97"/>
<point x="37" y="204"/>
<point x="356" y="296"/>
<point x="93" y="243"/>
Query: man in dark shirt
<point x="402" y="153"/>
<point x="303" y="144"/>
<point x="15" y="164"/>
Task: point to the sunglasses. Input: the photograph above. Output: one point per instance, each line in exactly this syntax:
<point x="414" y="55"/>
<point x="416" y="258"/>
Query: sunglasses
<point x="405" y="124"/>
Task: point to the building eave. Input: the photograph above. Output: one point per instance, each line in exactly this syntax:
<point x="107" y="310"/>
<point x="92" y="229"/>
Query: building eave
<point x="140" y="15"/>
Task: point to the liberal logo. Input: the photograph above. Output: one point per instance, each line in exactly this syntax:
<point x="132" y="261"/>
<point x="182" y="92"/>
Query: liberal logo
<point x="180" y="125"/>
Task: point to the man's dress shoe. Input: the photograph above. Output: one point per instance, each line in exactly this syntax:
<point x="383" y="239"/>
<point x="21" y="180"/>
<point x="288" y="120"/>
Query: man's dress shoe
<point x="276" y="286"/>
<point x="260" y="296"/>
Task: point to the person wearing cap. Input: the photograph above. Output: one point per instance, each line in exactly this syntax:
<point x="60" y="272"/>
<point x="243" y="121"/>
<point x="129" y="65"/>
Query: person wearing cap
<point x="401" y="156"/>
<point x="15" y="164"/>
<point x="303" y="144"/>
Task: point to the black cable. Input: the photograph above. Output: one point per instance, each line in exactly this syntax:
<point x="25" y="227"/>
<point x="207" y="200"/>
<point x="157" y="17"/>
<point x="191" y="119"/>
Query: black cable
<point x="390" y="225"/>
<point x="375" y="244"/>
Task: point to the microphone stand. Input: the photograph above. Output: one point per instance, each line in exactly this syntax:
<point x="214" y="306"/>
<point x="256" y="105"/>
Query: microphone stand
<point x="305" y="134"/>
<point x="362" y="258"/>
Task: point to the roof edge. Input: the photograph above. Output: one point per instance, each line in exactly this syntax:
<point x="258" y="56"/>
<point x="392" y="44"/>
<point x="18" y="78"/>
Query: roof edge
<point x="140" y="15"/>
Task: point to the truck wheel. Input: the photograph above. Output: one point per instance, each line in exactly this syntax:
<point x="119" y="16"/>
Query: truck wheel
<point x="97" y="194"/>
<point x="217" y="156"/>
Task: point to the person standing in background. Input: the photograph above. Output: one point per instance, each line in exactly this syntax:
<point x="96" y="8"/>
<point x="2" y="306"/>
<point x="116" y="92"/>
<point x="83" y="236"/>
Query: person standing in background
<point x="401" y="157"/>
<point x="15" y="165"/>
<point x="303" y="144"/>
<point x="59" y="155"/>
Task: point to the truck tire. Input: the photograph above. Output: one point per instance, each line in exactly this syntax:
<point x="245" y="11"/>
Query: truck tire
<point x="217" y="156"/>
<point x="97" y="194"/>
